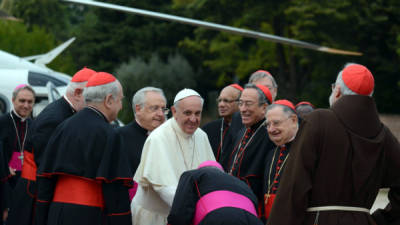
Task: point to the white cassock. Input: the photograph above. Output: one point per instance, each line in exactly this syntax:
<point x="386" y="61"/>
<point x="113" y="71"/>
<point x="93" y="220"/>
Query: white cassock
<point x="167" y="153"/>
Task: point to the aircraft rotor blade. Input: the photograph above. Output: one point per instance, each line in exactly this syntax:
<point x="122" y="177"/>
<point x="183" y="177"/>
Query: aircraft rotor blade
<point x="33" y="57"/>
<point x="46" y="58"/>
<point x="215" y="26"/>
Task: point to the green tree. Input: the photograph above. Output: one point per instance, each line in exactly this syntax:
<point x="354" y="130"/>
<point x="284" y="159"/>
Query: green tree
<point x="371" y="28"/>
<point x="51" y="15"/>
<point x="171" y="76"/>
<point x="106" y="38"/>
<point x="302" y="74"/>
<point x="16" y="39"/>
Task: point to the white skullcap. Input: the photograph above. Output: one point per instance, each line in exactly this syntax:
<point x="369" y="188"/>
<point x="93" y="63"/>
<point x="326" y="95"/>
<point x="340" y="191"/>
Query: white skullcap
<point x="185" y="93"/>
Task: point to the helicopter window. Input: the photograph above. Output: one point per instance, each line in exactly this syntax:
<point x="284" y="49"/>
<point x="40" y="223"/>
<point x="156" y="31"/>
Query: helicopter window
<point x="38" y="79"/>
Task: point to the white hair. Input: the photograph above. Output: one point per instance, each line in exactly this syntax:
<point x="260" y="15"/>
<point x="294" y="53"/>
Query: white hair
<point x="97" y="94"/>
<point x="72" y="86"/>
<point x="140" y="96"/>
<point x="285" y="109"/>
<point x="261" y="74"/>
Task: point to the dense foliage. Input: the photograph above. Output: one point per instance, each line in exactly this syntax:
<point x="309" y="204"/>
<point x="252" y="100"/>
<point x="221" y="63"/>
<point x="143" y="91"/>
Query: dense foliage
<point x="113" y="41"/>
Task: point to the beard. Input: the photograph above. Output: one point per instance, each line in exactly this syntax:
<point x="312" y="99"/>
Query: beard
<point x="331" y="99"/>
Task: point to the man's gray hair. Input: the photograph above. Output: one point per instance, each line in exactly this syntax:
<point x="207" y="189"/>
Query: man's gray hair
<point x="344" y="90"/>
<point x="304" y="109"/>
<point x="97" y="94"/>
<point x="72" y="86"/>
<point x="261" y="74"/>
<point x="288" y="111"/>
<point x="26" y="87"/>
<point x="140" y="96"/>
<point x="262" y="99"/>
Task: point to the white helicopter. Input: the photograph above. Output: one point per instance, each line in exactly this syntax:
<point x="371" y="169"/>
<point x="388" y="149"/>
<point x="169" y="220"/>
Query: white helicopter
<point x="47" y="83"/>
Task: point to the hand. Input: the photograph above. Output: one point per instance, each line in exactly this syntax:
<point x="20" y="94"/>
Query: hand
<point x="12" y="171"/>
<point x="5" y="214"/>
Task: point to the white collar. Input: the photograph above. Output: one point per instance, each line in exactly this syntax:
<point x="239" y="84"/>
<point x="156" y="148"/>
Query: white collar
<point x="148" y="132"/>
<point x="294" y="136"/>
<point x="69" y="102"/>
<point x="20" y="117"/>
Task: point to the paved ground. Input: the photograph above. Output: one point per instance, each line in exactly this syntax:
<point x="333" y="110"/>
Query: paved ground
<point x="392" y="121"/>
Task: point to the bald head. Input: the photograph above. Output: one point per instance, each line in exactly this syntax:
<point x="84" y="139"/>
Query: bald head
<point x="227" y="102"/>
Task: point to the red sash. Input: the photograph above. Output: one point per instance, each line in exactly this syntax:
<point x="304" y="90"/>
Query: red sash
<point x="268" y="204"/>
<point x="29" y="167"/>
<point x="78" y="190"/>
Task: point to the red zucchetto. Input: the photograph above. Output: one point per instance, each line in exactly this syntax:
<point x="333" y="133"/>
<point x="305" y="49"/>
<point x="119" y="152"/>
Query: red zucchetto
<point x="82" y="75"/>
<point x="285" y="103"/>
<point x="266" y="92"/>
<point x="358" y="79"/>
<point x="305" y="103"/>
<point x="264" y="71"/>
<point x="237" y="86"/>
<point x="100" y="78"/>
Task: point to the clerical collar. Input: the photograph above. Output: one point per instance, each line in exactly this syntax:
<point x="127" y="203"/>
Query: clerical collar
<point x="178" y="129"/>
<point x="17" y="115"/>
<point x="287" y="144"/>
<point x="291" y="139"/>
<point x="226" y="122"/>
<point x="256" y="125"/>
<point x="70" y="103"/>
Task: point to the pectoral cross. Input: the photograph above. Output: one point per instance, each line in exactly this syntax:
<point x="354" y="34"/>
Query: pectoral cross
<point x="267" y="197"/>
<point x="21" y="157"/>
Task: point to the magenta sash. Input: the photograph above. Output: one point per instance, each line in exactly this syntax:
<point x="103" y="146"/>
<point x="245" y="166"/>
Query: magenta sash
<point x="132" y="191"/>
<point x="219" y="199"/>
<point x="15" y="161"/>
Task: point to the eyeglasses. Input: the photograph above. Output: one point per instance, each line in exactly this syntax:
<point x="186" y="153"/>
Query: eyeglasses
<point x="224" y="100"/>
<point x="275" y="123"/>
<point x="155" y="108"/>
<point x="246" y="103"/>
<point x="270" y="87"/>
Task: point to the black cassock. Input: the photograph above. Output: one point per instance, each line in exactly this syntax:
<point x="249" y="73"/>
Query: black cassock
<point x="43" y="126"/>
<point x="274" y="168"/>
<point x="84" y="148"/>
<point x="194" y="184"/>
<point x="4" y="173"/>
<point x="216" y="130"/>
<point x="11" y="143"/>
<point x="133" y="138"/>
<point x="233" y="131"/>
<point x="247" y="158"/>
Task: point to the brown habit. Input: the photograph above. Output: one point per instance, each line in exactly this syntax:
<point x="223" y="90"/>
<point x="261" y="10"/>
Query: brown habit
<point x="341" y="156"/>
